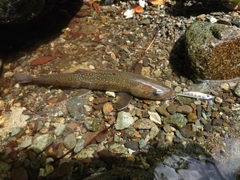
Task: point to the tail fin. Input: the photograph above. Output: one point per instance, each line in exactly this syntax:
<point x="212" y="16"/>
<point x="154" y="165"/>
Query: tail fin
<point x="22" y="78"/>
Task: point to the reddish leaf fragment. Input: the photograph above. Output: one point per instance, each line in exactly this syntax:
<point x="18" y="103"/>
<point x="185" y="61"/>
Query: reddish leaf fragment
<point x="95" y="6"/>
<point x="42" y="60"/>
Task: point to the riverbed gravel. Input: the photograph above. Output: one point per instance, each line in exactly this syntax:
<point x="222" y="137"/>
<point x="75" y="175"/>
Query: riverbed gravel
<point x="57" y="133"/>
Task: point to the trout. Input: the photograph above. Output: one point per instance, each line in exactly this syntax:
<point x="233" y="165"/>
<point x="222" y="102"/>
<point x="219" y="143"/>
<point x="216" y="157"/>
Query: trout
<point x="109" y="80"/>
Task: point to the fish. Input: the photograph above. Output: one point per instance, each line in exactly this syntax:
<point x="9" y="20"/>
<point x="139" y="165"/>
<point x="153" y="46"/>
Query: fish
<point x="197" y="95"/>
<point x="109" y="80"/>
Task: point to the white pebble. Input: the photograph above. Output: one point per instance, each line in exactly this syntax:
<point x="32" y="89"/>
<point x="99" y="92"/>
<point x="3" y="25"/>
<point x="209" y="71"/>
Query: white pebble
<point x="154" y="116"/>
<point x="218" y="100"/>
<point x="110" y="93"/>
<point x="225" y="86"/>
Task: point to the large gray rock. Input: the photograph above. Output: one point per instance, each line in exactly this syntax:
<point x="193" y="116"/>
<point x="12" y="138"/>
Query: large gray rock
<point x="212" y="51"/>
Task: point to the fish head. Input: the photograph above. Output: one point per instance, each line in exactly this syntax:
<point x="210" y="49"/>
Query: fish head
<point x="153" y="91"/>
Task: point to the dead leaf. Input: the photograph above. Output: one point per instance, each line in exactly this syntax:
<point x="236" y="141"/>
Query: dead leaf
<point x="42" y="60"/>
<point x="138" y="9"/>
<point x="157" y="2"/>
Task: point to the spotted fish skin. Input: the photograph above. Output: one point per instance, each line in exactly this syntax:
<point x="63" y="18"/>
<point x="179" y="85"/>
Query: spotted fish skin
<point x="110" y="80"/>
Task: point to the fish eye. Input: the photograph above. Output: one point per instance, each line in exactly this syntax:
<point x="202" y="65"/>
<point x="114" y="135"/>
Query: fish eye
<point x="155" y="93"/>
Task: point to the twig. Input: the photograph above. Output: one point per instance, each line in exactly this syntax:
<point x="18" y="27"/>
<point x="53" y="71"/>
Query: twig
<point x="144" y="53"/>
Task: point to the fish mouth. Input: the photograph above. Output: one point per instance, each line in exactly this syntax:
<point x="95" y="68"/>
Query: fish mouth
<point x="169" y="95"/>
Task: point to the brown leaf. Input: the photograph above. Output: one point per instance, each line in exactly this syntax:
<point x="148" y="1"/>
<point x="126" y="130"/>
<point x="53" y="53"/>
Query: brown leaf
<point x="42" y="60"/>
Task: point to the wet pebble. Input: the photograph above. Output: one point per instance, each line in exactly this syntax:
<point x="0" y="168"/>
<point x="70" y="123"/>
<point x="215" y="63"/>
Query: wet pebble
<point x="25" y="143"/>
<point x="61" y="171"/>
<point x="79" y="145"/>
<point x="184" y="109"/>
<point x="94" y="124"/>
<point x="177" y="119"/>
<point x="75" y="107"/>
<point x="225" y="86"/>
<point x="237" y="90"/>
<point x="142" y="143"/>
<point x="143" y="123"/>
<point x="208" y="127"/>
<point x="154" y="116"/>
<point x="217" y="122"/>
<point x="162" y="110"/>
<point x="117" y="148"/>
<point x="172" y="108"/>
<point x="17" y="132"/>
<point x="70" y="141"/>
<point x="167" y="128"/>
<point x="132" y="145"/>
<point x="40" y="142"/>
<point x="187" y="131"/>
<point x="124" y="120"/>
<point x="59" y="129"/>
<point x="192" y="117"/>
<point x="107" y="108"/>
<point x="154" y="131"/>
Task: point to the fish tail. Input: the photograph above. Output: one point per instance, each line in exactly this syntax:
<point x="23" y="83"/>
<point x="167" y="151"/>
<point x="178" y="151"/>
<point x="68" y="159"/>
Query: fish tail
<point x="23" y="78"/>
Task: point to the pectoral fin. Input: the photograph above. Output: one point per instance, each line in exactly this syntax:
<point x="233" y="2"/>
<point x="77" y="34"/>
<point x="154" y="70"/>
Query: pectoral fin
<point x="122" y="100"/>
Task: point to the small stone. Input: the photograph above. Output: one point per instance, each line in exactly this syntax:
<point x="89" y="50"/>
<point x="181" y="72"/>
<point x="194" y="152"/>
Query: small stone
<point x="86" y="153"/>
<point x="25" y="143"/>
<point x="117" y="148"/>
<point x="124" y="120"/>
<point x="49" y="169"/>
<point x="213" y="20"/>
<point x="207" y="127"/>
<point x="184" y="109"/>
<point x="70" y="141"/>
<point x="154" y="132"/>
<point x="76" y="108"/>
<point x="169" y="137"/>
<point x="201" y="17"/>
<point x="154" y="116"/>
<point x="107" y="108"/>
<point x="217" y="122"/>
<point x="79" y="146"/>
<point x="94" y="124"/>
<point x="59" y="129"/>
<point x="167" y="128"/>
<point x="177" y="119"/>
<point x="192" y="117"/>
<point x="143" y="123"/>
<point x="40" y="142"/>
<point x="218" y="100"/>
<point x="237" y="90"/>
<point x="17" y="132"/>
<point x="172" y="108"/>
<point x="61" y="171"/>
<point x="187" y="132"/>
<point x="225" y="86"/>
<point x="162" y="110"/>
<point x="142" y="143"/>
<point x="71" y="127"/>
<point x="132" y="145"/>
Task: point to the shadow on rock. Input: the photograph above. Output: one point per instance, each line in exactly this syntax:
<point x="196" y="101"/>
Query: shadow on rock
<point x="195" y="8"/>
<point x="26" y="36"/>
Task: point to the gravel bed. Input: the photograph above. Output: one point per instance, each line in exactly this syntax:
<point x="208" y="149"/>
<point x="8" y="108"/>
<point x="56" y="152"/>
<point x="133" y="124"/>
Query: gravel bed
<point x="65" y="133"/>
